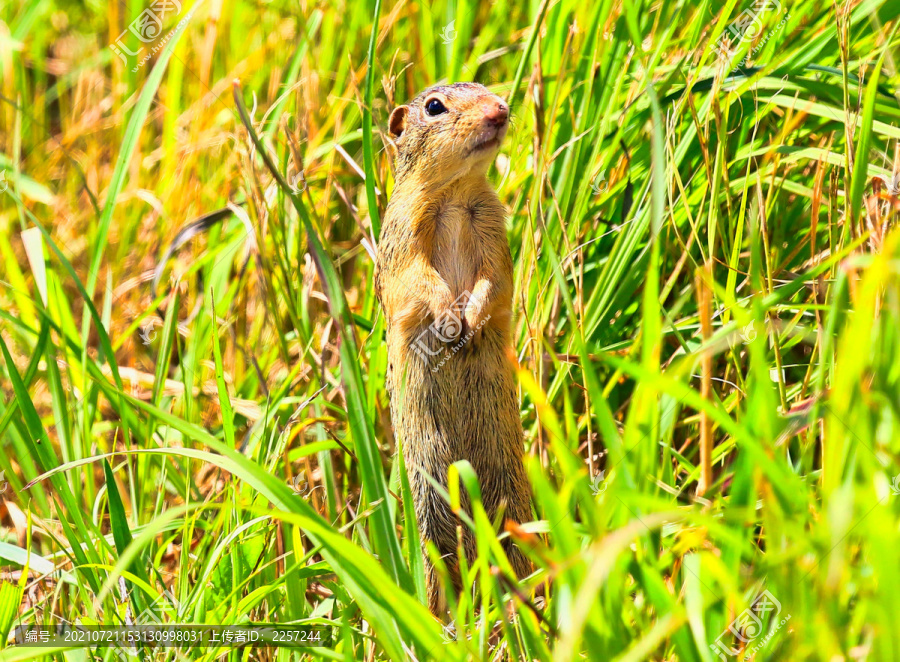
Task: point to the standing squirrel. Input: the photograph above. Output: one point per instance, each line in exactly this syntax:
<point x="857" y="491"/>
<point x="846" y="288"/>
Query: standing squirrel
<point x="444" y="277"/>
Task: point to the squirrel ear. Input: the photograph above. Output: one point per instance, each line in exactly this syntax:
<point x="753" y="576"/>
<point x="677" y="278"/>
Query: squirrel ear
<point x="397" y="123"/>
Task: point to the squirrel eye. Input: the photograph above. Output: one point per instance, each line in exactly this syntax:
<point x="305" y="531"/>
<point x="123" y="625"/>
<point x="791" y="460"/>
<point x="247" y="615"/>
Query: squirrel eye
<point x="434" y="107"/>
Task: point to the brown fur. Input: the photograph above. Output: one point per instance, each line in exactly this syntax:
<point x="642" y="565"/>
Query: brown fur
<point x="444" y="235"/>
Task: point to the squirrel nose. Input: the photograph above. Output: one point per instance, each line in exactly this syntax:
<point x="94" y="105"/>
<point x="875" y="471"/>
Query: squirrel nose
<point x="495" y="112"/>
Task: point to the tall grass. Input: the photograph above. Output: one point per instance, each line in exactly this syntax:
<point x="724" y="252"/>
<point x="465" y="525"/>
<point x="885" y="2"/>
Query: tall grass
<point x="707" y="305"/>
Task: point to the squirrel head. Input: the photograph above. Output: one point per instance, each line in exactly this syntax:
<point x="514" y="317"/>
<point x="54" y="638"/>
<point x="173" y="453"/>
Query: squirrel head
<point x="448" y="131"/>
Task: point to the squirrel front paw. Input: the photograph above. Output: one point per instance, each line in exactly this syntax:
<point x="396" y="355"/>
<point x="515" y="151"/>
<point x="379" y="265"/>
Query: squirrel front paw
<point x="474" y="312"/>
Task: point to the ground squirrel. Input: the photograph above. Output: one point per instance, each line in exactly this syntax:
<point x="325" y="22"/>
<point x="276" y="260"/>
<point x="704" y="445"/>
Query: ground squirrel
<point x="444" y="278"/>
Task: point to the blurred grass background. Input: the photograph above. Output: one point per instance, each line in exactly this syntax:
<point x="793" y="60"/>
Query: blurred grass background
<point x="707" y="316"/>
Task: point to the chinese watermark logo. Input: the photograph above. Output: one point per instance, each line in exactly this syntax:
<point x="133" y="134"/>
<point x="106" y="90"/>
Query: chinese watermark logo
<point x="448" y="632"/>
<point x="298" y="183"/>
<point x="154" y="614"/>
<point x="448" y="329"/>
<point x="748" y="626"/>
<point x="147" y="333"/>
<point x="600" y="185"/>
<point x="147" y="27"/>
<point x="599" y="484"/>
<point x="302" y="487"/>
<point x="448" y="34"/>
<point x="3" y="183"/>
<point x="895" y="484"/>
<point x="747" y="27"/>
<point x="748" y="334"/>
